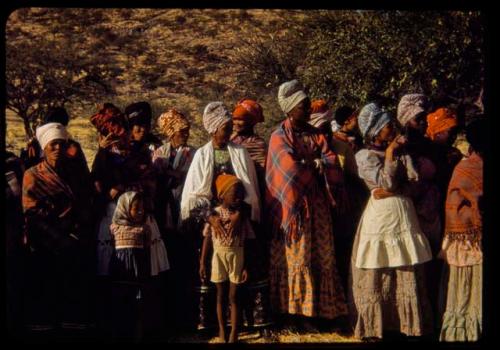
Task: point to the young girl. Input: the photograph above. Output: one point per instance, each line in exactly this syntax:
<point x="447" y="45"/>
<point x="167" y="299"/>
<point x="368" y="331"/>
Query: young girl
<point x="130" y="263"/>
<point x="228" y="249"/>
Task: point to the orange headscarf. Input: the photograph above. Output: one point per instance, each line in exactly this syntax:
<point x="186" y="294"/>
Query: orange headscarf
<point x="440" y="120"/>
<point x="224" y="182"/>
<point x="249" y="110"/>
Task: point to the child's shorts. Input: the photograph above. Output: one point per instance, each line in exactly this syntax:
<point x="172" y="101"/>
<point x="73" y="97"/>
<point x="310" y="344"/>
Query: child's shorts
<point x="227" y="262"/>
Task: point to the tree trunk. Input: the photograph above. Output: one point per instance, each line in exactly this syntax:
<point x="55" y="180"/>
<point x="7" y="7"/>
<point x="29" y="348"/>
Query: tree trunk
<point x="27" y="125"/>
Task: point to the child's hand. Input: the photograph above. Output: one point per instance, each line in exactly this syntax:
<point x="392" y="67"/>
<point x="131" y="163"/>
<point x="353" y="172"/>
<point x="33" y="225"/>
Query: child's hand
<point x="380" y="193"/>
<point x="214" y="221"/>
<point x="244" y="276"/>
<point x="203" y="273"/>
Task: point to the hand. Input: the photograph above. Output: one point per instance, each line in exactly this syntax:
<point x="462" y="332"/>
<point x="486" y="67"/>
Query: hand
<point x="244" y="276"/>
<point x="214" y="221"/>
<point x="398" y="141"/>
<point x="203" y="272"/>
<point x="113" y="193"/>
<point x="319" y="165"/>
<point x="380" y="193"/>
<point x="105" y="142"/>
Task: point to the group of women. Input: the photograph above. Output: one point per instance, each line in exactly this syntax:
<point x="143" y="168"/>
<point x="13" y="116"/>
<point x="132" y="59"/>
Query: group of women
<point x="375" y="223"/>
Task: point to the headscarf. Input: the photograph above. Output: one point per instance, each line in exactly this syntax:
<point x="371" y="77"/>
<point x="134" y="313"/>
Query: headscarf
<point x="109" y="119"/>
<point x="122" y="211"/>
<point x="214" y="116"/>
<point x="57" y="115"/>
<point x="410" y="106"/>
<point x="224" y="182"/>
<point x="440" y="120"/>
<point x="371" y="120"/>
<point x="139" y="113"/>
<point x="250" y="110"/>
<point x="49" y="132"/>
<point x="320" y="113"/>
<point x="290" y="94"/>
<point x="172" y="121"/>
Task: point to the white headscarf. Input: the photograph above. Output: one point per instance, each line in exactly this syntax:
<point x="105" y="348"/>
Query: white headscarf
<point x="215" y="115"/>
<point x="49" y="132"/>
<point x="290" y="94"/>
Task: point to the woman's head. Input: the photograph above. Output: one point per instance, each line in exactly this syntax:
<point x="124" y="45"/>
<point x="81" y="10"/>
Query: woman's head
<point x="442" y="126"/>
<point x="218" y="123"/>
<point x="110" y="120"/>
<point x="230" y="190"/>
<point x="321" y="116"/>
<point x="53" y="139"/>
<point x="412" y="111"/>
<point x="139" y="116"/>
<point x="294" y="101"/>
<point x="175" y="126"/>
<point x="246" y="114"/>
<point x="375" y="124"/>
<point x="130" y="209"/>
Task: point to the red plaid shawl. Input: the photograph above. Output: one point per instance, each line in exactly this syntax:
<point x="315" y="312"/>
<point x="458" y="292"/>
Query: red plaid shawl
<point x="288" y="181"/>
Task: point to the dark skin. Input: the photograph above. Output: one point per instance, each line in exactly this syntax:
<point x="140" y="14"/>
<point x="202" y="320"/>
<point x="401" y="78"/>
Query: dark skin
<point x="242" y="127"/>
<point x="232" y="200"/>
<point x="55" y="153"/>
<point x="179" y="138"/>
<point x="139" y="132"/>
<point x="418" y="123"/>
<point x="446" y="137"/>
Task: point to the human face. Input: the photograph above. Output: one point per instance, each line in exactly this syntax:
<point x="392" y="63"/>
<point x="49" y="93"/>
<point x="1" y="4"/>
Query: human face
<point x="387" y="134"/>
<point x="139" y="132"/>
<point x="242" y="126"/>
<point x="221" y="137"/>
<point x="301" y="113"/>
<point x="418" y="123"/>
<point x="234" y="196"/>
<point x="137" y="210"/>
<point x="180" y="138"/>
<point x="350" y="124"/>
<point x="446" y="137"/>
<point x="54" y="151"/>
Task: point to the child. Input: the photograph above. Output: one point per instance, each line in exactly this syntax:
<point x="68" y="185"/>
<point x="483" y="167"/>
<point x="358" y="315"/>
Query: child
<point x="228" y="248"/>
<point x="130" y="263"/>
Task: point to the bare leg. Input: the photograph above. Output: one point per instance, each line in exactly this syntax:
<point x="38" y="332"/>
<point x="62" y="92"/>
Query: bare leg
<point x="233" y="299"/>
<point x="221" y="319"/>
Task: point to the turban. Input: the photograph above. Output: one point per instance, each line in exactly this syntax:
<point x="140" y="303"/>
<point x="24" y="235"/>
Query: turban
<point x="371" y="120"/>
<point x="172" y="121"/>
<point x="224" y="182"/>
<point x="214" y="116"/>
<point x="410" y="106"/>
<point x="248" y="110"/>
<point x="57" y="115"/>
<point x="49" y="132"/>
<point x="440" y="120"/>
<point x="290" y="94"/>
<point x="108" y="120"/>
<point x="320" y="113"/>
<point x="139" y="113"/>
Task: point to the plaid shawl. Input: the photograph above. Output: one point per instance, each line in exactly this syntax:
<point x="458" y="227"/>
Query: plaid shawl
<point x="288" y="181"/>
<point x="463" y="217"/>
<point x="45" y="193"/>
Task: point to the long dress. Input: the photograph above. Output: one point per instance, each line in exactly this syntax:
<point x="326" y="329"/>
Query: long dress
<point x="303" y="274"/>
<point x="388" y="289"/>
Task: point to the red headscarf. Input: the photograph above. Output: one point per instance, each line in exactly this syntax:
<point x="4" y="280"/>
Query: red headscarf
<point x="249" y="110"/>
<point x="109" y="119"/>
<point x="440" y="120"/>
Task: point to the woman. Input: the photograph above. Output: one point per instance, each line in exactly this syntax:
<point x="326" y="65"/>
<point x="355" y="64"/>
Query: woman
<point x="246" y="114"/>
<point x="461" y="249"/>
<point x="171" y="162"/>
<point x="139" y="116"/>
<point x="300" y="168"/>
<point x="59" y="232"/>
<point x="347" y="121"/>
<point x="387" y="276"/>
<point x="218" y="156"/>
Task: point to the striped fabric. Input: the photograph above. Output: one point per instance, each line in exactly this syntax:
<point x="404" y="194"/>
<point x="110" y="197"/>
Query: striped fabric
<point x="256" y="147"/>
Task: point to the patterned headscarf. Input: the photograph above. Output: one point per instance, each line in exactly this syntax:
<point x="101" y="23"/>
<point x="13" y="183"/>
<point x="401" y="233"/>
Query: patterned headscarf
<point x="250" y="110"/>
<point x="172" y="121"/>
<point x="320" y="113"/>
<point x="410" y="106"/>
<point x="224" y="182"/>
<point x="49" y="132"/>
<point x="110" y="119"/>
<point x="290" y="94"/>
<point x="440" y="120"/>
<point x="214" y="116"/>
<point x="122" y="211"/>
<point x="371" y="120"/>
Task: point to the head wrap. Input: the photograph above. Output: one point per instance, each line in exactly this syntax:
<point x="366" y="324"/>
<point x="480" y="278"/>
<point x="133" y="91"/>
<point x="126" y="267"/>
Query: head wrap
<point x="290" y="94"/>
<point x="320" y="113"/>
<point x="122" y="211"/>
<point x="249" y="110"/>
<point x="57" y="115"/>
<point x="172" y="121"/>
<point x="49" y="132"/>
<point x="371" y="120"/>
<point x="214" y="116"/>
<point x="440" y="120"/>
<point x="410" y="106"/>
<point x="139" y="113"/>
<point x="224" y="182"/>
<point x="109" y="119"/>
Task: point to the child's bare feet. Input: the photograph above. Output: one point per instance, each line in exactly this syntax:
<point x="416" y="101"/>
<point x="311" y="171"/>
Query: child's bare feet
<point x="222" y="335"/>
<point x="233" y="337"/>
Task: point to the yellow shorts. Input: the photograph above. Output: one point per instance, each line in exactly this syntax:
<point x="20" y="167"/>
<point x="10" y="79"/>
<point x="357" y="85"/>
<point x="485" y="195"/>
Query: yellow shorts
<point x="227" y="262"/>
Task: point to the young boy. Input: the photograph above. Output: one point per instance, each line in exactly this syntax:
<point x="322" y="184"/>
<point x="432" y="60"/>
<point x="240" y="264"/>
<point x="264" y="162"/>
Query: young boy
<point x="228" y="249"/>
